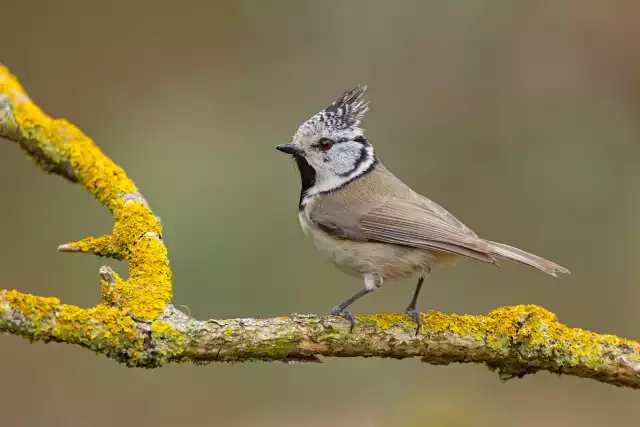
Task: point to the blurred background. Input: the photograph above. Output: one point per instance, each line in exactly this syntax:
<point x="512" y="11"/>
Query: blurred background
<point x="519" y="117"/>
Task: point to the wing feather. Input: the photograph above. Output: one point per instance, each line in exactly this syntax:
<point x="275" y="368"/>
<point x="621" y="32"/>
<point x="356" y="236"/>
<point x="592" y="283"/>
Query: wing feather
<point x="405" y="223"/>
<point x="411" y="224"/>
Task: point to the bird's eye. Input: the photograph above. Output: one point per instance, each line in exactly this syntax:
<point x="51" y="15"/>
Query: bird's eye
<point x="325" y="144"/>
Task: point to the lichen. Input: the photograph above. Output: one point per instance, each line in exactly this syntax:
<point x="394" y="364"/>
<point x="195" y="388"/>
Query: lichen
<point x="169" y="340"/>
<point x="540" y="335"/>
<point x="59" y="141"/>
<point x="533" y="333"/>
<point x="133" y="220"/>
<point x="39" y="309"/>
<point x="462" y="325"/>
<point x="105" y="246"/>
<point x="385" y="321"/>
<point x="99" y="327"/>
<point x="148" y="290"/>
<point x="102" y="328"/>
<point x="522" y="331"/>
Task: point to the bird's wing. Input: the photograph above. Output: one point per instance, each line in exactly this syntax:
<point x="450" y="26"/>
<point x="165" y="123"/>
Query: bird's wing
<point x="401" y="222"/>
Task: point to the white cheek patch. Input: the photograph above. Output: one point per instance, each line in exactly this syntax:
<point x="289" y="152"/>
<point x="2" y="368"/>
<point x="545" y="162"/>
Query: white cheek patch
<point x="329" y="177"/>
<point x="344" y="157"/>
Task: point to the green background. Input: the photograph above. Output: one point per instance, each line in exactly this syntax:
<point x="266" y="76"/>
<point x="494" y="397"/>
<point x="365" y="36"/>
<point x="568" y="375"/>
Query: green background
<point x="519" y="117"/>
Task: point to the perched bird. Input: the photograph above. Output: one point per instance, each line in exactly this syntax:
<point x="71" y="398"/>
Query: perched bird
<point x="368" y="221"/>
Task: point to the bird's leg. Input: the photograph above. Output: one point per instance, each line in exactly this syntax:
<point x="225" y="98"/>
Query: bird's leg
<point x="339" y="310"/>
<point x="411" y="309"/>
<point x="371" y="283"/>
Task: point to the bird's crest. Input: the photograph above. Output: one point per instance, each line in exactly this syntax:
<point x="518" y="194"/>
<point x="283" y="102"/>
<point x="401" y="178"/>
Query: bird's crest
<point x="348" y="110"/>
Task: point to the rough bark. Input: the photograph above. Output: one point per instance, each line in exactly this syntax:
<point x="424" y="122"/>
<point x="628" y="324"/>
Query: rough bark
<point x="135" y="323"/>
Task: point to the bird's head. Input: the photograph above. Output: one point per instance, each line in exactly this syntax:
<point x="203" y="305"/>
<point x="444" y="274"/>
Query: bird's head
<point x="330" y="148"/>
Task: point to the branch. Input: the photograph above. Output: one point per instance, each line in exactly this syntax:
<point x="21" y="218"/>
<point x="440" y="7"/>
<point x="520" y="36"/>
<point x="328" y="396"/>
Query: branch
<point x="136" y="324"/>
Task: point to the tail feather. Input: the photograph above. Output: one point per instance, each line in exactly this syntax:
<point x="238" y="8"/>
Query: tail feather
<point x="518" y="255"/>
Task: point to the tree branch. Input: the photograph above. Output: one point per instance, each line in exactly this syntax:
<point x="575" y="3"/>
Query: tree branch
<point x="135" y="323"/>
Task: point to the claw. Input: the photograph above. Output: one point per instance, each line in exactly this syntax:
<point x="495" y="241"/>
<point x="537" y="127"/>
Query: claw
<point x="346" y="314"/>
<point x="416" y="318"/>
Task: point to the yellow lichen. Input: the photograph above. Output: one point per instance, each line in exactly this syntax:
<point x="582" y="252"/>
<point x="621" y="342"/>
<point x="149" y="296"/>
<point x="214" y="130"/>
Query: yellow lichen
<point x="148" y="290"/>
<point x="530" y="330"/>
<point x="36" y="308"/>
<point x="540" y="331"/>
<point x="103" y="246"/>
<point x="462" y="325"/>
<point x="172" y="338"/>
<point x="108" y="293"/>
<point x="73" y="324"/>
<point x="62" y="141"/>
<point x="98" y="174"/>
<point x="102" y="328"/>
<point x="133" y="219"/>
<point x="388" y="320"/>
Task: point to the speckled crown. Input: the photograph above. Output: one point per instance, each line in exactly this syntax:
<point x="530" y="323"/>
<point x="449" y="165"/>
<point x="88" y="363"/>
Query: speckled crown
<point x="347" y="111"/>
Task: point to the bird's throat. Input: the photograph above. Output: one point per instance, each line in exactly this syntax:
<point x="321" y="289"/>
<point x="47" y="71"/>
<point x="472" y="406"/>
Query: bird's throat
<point x="307" y="176"/>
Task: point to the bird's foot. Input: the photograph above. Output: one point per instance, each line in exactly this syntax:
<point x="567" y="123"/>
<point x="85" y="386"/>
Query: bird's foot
<point x="338" y="311"/>
<point x="416" y="318"/>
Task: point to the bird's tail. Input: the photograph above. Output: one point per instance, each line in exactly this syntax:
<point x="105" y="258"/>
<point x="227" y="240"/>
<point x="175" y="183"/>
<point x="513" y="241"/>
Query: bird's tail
<point x="518" y="255"/>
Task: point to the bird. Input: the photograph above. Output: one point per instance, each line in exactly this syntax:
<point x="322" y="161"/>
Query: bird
<point x="368" y="222"/>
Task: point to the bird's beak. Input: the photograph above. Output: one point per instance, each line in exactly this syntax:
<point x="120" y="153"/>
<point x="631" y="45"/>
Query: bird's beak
<point x="288" y="148"/>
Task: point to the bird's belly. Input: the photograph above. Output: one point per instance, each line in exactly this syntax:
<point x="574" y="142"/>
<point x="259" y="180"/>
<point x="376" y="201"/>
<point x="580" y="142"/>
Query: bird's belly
<point x="356" y="258"/>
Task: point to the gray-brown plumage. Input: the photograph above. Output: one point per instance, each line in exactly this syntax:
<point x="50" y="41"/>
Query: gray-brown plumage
<point x="369" y="222"/>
